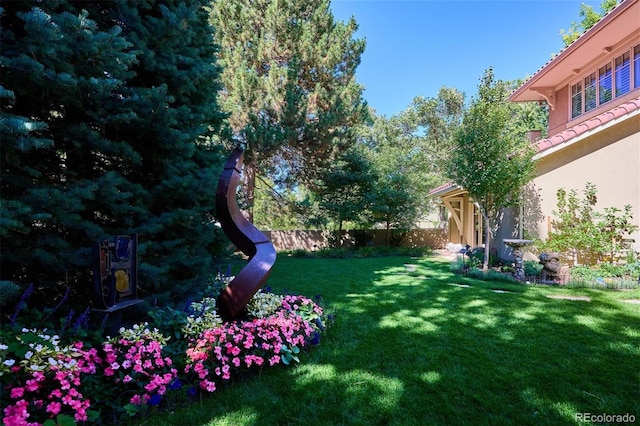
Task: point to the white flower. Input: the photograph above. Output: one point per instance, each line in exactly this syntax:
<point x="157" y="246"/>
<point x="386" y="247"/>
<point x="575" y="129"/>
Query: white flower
<point x="9" y="362"/>
<point x="28" y="355"/>
<point x="3" y="347"/>
<point x="69" y="365"/>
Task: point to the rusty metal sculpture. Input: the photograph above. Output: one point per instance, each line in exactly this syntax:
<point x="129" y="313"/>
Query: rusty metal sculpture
<point x="249" y="239"/>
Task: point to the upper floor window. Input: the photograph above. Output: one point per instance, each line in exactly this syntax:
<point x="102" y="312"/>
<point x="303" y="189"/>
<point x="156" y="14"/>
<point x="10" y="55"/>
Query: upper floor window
<point x="609" y="81"/>
<point x="604" y="83"/>
<point x="623" y="74"/>
<point x="576" y="100"/>
<point x="636" y="66"/>
<point x="590" y="92"/>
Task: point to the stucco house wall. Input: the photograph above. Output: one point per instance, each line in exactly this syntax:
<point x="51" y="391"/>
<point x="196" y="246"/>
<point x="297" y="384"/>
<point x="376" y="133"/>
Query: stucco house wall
<point x="593" y="128"/>
<point x="559" y="116"/>
<point x="610" y="159"/>
<point x="600" y="145"/>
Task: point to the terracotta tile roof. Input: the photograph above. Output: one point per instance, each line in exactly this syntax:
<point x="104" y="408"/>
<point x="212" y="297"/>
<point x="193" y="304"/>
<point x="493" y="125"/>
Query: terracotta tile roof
<point x="575" y="42"/>
<point x="589" y="125"/>
<point x="444" y="186"/>
<point x="567" y="135"/>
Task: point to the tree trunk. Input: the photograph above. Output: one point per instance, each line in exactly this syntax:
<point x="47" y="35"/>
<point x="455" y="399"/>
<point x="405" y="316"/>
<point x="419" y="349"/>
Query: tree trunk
<point x="487" y="239"/>
<point x="388" y="232"/>
<point x="249" y="189"/>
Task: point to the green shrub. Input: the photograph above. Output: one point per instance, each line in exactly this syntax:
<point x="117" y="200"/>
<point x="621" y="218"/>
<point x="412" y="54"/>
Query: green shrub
<point x="490" y="275"/>
<point x="9" y="293"/>
<point x="298" y="253"/>
<point x="458" y="265"/>
<point x="361" y="237"/>
<point x="532" y="268"/>
<point x="605" y="270"/>
<point x="584" y="235"/>
<point x="632" y="270"/>
<point x="368" y="251"/>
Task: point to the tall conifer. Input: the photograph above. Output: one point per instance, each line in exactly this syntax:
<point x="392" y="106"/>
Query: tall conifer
<point x="289" y="85"/>
<point x="107" y="113"/>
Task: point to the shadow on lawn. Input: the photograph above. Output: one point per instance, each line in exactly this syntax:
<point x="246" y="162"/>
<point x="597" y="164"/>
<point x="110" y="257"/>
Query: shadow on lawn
<point x="444" y="353"/>
<point x="423" y="348"/>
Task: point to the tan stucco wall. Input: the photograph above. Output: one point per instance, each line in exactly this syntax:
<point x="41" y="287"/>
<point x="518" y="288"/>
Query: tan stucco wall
<point x="613" y="167"/>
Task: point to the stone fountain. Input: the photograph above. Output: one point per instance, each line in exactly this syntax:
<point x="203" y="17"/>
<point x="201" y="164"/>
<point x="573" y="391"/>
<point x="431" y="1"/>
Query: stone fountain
<point x="517" y="245"/>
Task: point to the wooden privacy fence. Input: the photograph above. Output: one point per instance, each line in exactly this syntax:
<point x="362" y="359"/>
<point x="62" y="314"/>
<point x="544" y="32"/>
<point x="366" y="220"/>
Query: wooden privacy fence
<point x="315" y="240"/>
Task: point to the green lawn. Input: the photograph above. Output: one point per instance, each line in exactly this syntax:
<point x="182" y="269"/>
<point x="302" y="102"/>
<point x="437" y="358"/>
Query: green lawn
<point x="422" y="348"/>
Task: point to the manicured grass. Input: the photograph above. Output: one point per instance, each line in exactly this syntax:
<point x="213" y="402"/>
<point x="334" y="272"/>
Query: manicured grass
<point x="420" y="348"/>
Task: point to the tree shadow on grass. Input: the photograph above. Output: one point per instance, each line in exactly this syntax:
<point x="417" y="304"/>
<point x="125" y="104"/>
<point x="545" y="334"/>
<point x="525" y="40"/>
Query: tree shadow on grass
<point x="429" y="347"/>
<point x="471" y="355"/>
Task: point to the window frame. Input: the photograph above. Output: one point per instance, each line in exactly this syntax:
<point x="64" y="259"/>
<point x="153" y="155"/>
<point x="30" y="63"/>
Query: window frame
<point x="606" y="84"/>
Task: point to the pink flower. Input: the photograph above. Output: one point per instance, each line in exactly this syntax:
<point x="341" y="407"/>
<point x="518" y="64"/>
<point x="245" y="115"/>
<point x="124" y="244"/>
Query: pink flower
<point x="32" y="385"/>
<point x="39" y="376"/>
<point x="17" y="393"/>
<point x="226" y="372"/>
<point x="274" y="360"/>
<point x="54" y="408"/>
<point x="135" y="400"/>
<point x="207" y="385"/>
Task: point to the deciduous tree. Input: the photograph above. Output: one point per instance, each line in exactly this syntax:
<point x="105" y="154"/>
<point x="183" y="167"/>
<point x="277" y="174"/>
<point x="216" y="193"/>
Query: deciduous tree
<point x="589" y="18"/>
<point x="408" y="152"/>
<point x="491" y="159"/>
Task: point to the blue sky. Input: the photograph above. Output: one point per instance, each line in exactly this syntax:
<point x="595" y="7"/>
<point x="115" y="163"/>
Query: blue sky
<point x="414" y="47"/>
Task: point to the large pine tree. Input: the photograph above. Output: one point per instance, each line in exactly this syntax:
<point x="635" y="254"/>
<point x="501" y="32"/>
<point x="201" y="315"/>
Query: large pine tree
<point x="289" y="85"/>
<point x="108" y="109"/>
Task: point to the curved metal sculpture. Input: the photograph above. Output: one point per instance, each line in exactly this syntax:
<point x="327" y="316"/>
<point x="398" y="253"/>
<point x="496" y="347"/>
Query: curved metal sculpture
<point x="249" y="239"/>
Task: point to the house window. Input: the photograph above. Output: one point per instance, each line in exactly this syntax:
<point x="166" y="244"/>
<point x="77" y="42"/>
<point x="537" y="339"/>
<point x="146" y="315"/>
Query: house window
<point x="623" y="74"/>
<point x="590" y="92"/>
<point x="611" y="80"/>
<point x="604" y="82"/>
<point x="636" y="66"/>
<point x="576" y="100"/>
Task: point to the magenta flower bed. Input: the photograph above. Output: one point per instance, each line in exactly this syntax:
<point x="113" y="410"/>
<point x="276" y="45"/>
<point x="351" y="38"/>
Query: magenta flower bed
<point x="236" y="346"/>
<point x="47" y="383"/>
<point x="43" y="391"/>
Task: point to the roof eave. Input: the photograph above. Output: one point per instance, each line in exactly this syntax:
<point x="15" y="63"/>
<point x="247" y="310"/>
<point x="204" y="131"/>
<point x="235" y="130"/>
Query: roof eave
<point x="528" y="92"/>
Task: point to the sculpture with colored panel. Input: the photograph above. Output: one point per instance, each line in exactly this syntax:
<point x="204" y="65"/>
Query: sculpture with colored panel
<point x="115" y="273"/>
